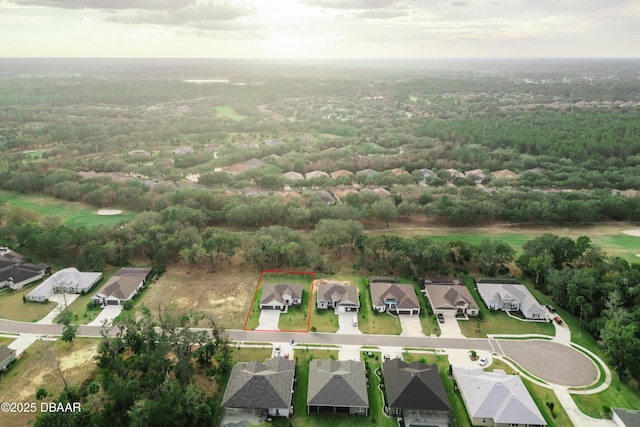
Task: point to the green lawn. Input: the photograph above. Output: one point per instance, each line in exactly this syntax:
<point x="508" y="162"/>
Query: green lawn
<point x="608" y="236"/>
<point x="248" y="354"/>
<point x="13" y="308"/>
<point x="227" y="112"/>
<point x="254" y="317"/>
<point x="73" y="214"/>
<point x="498" y="322"/>
<point x="324" y="321"/>
<point x="372" y="322"/>
<point x="297" y="317"/>
<point x="541" y="396"/>
<point x="81" y="313"/>
<point x="619" y="395"/>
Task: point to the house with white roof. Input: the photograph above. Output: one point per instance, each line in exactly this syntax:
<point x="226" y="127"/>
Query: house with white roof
<point x="510" y="295"/>
<point x="496" y="399"/>
<point x="68" y="280"/>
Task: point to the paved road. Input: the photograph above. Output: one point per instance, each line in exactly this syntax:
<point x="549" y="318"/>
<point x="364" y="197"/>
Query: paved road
<point x="548" y="360"/>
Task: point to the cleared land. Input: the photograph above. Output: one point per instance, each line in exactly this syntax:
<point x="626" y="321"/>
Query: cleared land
<point x="73" y="214"/>
<point x="12" y="306"/>
<point x="226" y="296"/>
<point x="33" y="370"/>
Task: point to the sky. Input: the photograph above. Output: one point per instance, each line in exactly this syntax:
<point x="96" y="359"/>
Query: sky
<point x="320" y="29"/>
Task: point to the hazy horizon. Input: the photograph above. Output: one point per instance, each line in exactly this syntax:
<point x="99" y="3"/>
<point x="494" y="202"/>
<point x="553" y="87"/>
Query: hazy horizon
<point x="319" y="29"/>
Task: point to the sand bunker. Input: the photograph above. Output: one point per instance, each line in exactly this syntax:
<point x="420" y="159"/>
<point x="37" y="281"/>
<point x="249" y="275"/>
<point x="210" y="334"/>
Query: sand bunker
<point x="118" y="212"/>
<point x="635" y="232"/>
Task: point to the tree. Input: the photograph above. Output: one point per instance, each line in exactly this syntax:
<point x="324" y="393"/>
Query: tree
<point x="385" y="210"/>
<point x="69" y="330"/>
<point x="492" y="256"/>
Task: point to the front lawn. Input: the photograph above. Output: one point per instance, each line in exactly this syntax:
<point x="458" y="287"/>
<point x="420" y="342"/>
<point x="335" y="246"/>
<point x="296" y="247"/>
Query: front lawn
<point x="617" y="395"/>
<point x="498" y="322"/>
<point x="297" y="317"/>
<point x="13" y="307"/>
<point x="324" y="321"/>
<point x="544" y="398"/>
<point x="254" y="317"/>
<point x="372" y="322"/>
<point x="248" y="354"/>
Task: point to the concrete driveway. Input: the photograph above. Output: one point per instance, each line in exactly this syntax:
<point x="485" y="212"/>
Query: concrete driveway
<point x="450" y="328"/>
<point x="345" y="320"/>
<point x="269" y="320"/>
<point x="108" y="313"/>
<point x="61" y="300"/>
<point x="411" y="326"/>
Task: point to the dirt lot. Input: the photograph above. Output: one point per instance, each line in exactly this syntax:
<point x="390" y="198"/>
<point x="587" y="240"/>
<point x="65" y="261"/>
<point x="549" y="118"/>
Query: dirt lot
<point x="34" y="371"/>
<point x="225" y="295"/>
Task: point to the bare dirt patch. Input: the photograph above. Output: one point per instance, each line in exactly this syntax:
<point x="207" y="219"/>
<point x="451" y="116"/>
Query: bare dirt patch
<point x="109" y="212"/>
<point x="635" y="233"/>
<point x="225" y="295"/>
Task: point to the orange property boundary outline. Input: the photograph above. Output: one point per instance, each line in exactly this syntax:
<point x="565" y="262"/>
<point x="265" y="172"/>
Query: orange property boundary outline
<point x="255" y="294"/>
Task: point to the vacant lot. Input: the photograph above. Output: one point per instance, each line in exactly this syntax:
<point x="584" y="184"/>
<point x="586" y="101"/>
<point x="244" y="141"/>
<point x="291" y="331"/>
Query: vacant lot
<point x="73" y="214"/>
<point x="12" y="306"/>
<point x="35" y="370"/>
<point x="226" y="297"/>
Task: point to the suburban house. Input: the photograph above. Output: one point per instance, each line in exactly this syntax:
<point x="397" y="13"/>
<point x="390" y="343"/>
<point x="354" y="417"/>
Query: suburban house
<point x="416" y="393"/>
<point x="624" y="417"/>
<point x="339" y="296"/>
<point x="504" y="174"/>
<point x="451" y="300"/>
<point x="337" y="387"/>
<point x="293" y="175"/>
<point x="396" y="298"/>
<point x="260" y="389"/>
<point x="341" y="173"/>
<point x="496" y="399"/>
<point x="510" y="295"/>
<point x="325" y="197"/>
<point x="7" y="355"/>
<point x="122" y="286"/>
<point x="16" y="271"/>
<point x="280" y="296"/>
<point x="68" y="280"/>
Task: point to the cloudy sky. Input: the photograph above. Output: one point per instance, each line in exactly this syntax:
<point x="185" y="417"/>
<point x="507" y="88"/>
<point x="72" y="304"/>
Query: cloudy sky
<point x="320" y="28"/>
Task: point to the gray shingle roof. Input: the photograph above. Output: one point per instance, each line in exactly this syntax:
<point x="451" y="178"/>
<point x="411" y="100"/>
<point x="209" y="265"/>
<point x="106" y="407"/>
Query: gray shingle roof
<point x="348" y="294"/>
<point x="124" y="283"/>
<point x="5" y="352"/>
<point x="629" y="417"/>
<point x="337" y="383"/>
<point x="403" y="293"/>
<point x="414" y="386"/>
<point x="260" y="385"/>
<point x="271" y="292"/>
<point x="442" y="296"/>
<point x="498" y="396"/>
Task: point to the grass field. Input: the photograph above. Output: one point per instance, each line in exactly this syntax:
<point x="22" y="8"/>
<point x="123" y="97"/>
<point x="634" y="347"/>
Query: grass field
<point x="297" y="317"/>
<point x="227" y="112"/>
<point x="13" y="308"/>
<point x="607" y="236"/>
<point x="73" y="214"/>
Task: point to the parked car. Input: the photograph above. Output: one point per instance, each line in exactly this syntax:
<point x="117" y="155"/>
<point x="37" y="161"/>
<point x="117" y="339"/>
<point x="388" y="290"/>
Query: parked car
<point x="483" y="360"/>
<point x="558" y="320"/>
<point x="440" y="318"/>
<point x="386" y="357"/>
<point x="550" y="308"/>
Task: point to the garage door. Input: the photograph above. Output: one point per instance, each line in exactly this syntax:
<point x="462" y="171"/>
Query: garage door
<point x="113" y="302"/>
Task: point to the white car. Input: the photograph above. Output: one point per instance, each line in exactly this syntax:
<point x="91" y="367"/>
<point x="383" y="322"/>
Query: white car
<point x="483" y="360"/>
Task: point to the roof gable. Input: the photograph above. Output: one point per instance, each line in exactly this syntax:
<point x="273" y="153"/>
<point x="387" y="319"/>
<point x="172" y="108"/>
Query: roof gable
<point x="414" y="386"/>
<point x="337" y="383"/>
<point x="260" y="385"/>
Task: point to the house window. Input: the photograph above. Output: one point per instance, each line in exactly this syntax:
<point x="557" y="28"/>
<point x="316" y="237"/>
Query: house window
<point x="396" y="411"/>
